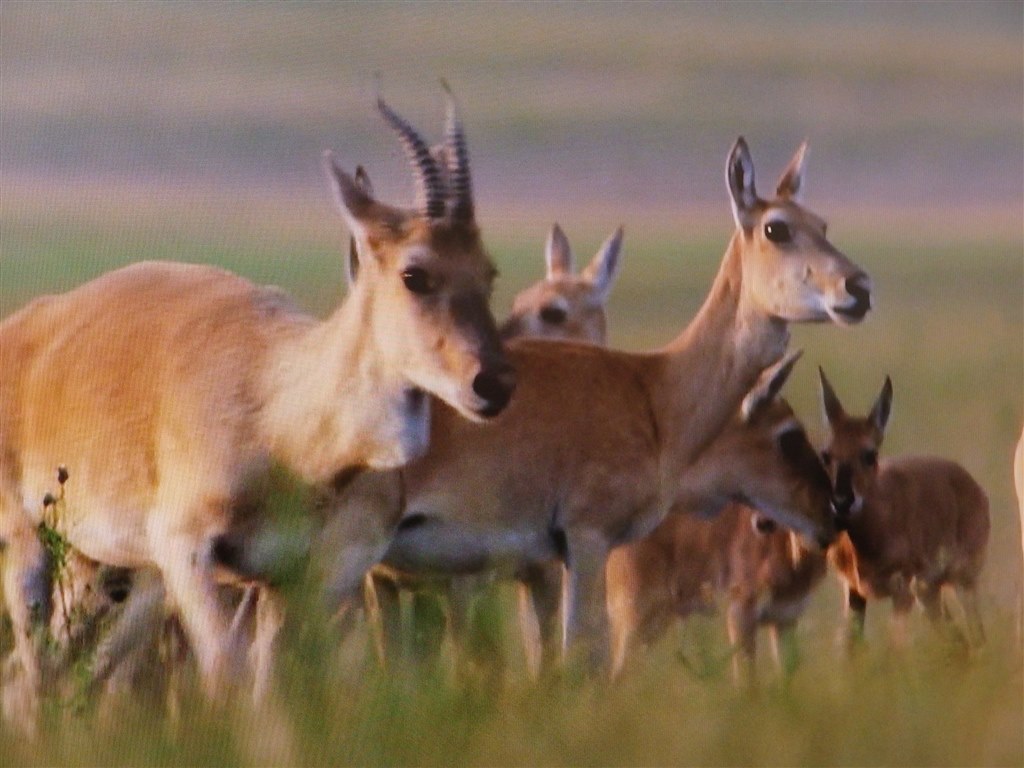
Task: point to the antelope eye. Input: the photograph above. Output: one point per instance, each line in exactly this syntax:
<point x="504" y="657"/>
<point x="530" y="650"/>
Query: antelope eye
<point x="826" y="458"/>
<point x="777" y="232"/>
<point x="869" y="458"/>
<point x="553" y="315"/>
<point x="418" y="280"/>
<point x="793" y="443"/>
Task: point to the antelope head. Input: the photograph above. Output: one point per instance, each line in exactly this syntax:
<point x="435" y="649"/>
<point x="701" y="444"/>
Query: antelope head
<point x="851" y="455"/>
<point x="426" y="275"/>
<point x="790" y="269"/>
<point x="567" y="305"/>
<point x="771" y="465"/>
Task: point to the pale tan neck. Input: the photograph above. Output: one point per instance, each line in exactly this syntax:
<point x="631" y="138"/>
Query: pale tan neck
<point x="702" y="376"/>
<point x="330" y="401"/>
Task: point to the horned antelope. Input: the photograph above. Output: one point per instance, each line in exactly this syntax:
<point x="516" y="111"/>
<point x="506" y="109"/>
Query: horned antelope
<point x="914" y="525"/>
<point x="594" y="449"/>
<point x="172" y="390"/>
<point x="564" y="304"/>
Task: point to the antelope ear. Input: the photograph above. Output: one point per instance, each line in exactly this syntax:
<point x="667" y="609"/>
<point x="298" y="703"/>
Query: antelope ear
<point x="880" y="411"/>
<point x="830" y="403"/>
<point x="604" y="267"/>
<point x="739" y="177"/>
<point x="769" y="384"/>
<point x="354" y="202"/>
<point x="791" y="183"/>
<point x="558" y="254"/>
<point x="362" y="180"/>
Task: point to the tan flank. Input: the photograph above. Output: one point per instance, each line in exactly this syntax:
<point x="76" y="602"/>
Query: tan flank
<point x="591" y="451"/>
<point x="916" y="526"/>
<point x="171" y="390"/>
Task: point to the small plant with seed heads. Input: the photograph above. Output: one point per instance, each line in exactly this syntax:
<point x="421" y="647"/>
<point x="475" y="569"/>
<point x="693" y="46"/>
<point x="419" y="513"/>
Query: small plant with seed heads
<point x="56" y="543"/>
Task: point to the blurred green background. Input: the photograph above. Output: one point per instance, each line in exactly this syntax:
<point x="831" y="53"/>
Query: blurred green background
<point x="193" y="131"/>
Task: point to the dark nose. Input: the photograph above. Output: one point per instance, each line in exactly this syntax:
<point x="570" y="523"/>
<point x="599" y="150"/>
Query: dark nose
<point x="859" y="287"/>
<point x="841" y="511"/>
<point x="494" y="386"/>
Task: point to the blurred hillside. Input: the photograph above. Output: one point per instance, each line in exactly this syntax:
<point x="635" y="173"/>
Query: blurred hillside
<point x="622" y="106"/>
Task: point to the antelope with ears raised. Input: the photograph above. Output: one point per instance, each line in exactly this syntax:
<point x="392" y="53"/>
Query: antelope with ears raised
<point x="171" y="390"/>
<point x="915" y="525"/>
<point x="593" y="450"/>
<point x="716" y="540"/>
<point x="566" y="305"/>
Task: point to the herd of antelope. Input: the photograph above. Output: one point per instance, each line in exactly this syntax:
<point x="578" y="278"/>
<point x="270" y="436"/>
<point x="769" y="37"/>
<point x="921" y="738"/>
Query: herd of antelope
<point x="619" y="490"/>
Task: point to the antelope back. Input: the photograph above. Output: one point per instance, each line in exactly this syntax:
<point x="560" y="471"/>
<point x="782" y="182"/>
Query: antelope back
<point x="427" y="275"/>
<point x="790" y="269"/>
<point x="851" y="452"/>
<point x="764" y="459"/>
<point x="567" y="304"/>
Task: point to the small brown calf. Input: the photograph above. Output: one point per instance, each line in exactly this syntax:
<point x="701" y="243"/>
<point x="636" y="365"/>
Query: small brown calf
<point x="916" y="526"/>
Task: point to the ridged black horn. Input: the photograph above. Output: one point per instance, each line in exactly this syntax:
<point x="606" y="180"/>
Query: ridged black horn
<point x="460" y="186"/>
<point x="429" y="190"/>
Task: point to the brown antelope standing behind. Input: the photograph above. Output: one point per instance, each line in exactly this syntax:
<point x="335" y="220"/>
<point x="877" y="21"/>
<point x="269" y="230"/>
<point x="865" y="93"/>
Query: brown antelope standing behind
<point x="564" y="304"/>
<point x="765" y="573"/>
<point x="915" y="525"/>
<point x="171" y="390"/>
<point x="594" y="449"/>
<point x="713" y="543"/>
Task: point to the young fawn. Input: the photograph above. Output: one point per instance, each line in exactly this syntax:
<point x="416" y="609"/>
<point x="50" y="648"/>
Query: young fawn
<point x="765" y="572"/>
<point x="172" y="390"/>
<point x="914" y="525"/>
<point x="596" y="446"/>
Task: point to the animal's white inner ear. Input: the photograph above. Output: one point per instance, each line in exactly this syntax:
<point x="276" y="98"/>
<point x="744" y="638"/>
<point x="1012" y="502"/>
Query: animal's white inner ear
<point x="558" y="254"/>
<point x="882" y="408"/>
<point x="830" y="404"/>
<point x="769" y="384"/>
<point x="352" y="263"/>
<point x="604" y="267"/>
<point x="739" y="176"/>
<point x="353" y="201"/>
<point x="791" y="183"/>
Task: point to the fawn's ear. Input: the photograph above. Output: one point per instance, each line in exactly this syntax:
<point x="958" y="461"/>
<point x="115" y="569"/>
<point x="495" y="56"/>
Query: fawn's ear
<point x="880" y="411"/>
<point x="791" y="183"/>
<point x="362" y="180"/>
<point x="558" y="254"/>
<point x="829" y="402"/>
<point x="769" y="384"/>
<point x="604" y="267"/>
<point x="355" y="203"/>
<point x="739" y="177"/>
